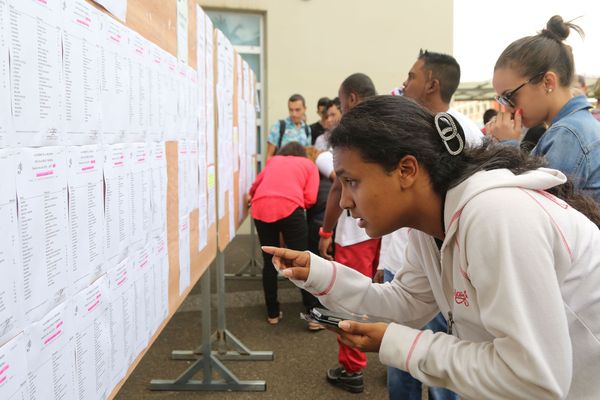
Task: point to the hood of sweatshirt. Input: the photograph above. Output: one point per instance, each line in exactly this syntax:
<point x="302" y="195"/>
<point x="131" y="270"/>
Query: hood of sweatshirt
<point x="460" y="195"/>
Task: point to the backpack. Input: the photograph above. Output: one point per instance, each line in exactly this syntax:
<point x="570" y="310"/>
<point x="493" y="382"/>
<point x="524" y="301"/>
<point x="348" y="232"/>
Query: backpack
<point x="282" y="132"/>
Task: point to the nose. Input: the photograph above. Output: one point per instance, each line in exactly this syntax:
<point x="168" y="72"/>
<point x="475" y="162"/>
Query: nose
<point x="346" y="202"/>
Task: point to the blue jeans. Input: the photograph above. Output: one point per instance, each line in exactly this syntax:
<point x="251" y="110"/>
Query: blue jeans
<point x="401" y="385"/>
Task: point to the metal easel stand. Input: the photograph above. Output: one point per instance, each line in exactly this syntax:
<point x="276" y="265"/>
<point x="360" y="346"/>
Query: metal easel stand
<point x="209" y="364"/>
<point x="228" y="346"/>
<point x="253" y="268"/>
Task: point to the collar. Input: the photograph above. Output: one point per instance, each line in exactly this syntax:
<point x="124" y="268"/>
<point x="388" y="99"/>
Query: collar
<point x="288" y="122"/>
<point x="575" y="104"/>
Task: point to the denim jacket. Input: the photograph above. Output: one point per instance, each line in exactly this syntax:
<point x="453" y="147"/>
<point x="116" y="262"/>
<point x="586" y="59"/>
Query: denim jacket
<point x="572" y="145"/>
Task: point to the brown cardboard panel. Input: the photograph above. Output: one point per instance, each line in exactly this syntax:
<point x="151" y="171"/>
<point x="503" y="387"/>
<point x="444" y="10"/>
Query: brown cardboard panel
<point x="156" y="20"/>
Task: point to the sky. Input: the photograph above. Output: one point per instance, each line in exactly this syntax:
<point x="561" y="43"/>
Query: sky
<point x="483" y="29"/>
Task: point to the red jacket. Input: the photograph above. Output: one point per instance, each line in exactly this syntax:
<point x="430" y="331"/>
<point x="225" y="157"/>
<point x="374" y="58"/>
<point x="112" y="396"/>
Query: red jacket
<point x="286" y="183"/>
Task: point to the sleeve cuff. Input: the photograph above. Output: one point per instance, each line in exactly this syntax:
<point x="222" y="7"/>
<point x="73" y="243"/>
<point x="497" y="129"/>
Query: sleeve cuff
<point x="321" y="277"/>
<point x="402" y="347"/>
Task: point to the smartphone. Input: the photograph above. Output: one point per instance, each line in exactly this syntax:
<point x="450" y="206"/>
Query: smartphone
<point x="332" y="318"/>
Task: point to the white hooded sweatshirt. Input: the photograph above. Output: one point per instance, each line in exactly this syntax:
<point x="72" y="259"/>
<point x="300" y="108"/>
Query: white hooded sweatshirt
<point x="518" y="275"/>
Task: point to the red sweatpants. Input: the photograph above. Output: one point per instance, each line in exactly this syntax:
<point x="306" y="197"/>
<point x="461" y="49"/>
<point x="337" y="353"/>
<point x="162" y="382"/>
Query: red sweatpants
<point x="364" y="258"/>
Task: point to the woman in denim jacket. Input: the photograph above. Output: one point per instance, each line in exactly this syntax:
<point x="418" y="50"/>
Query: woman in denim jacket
<point x="532" y="78"/>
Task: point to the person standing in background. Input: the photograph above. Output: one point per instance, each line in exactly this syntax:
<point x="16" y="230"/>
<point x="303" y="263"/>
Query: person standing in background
<point x="319" y="127"/>
<point x="532" y="79"/>
<point x="290" y="129"/>
<point x="279" y="196"/>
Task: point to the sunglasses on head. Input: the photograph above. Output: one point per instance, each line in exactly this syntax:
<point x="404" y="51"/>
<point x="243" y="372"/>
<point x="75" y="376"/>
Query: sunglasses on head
<point x="506" y="99"/>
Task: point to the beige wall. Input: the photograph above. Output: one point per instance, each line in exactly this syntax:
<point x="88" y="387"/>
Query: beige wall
<point x="312" y="45"/>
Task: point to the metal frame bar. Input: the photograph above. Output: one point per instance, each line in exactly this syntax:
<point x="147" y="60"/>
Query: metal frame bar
<point x="208" y="365"/>
<point x="253" y="268"/>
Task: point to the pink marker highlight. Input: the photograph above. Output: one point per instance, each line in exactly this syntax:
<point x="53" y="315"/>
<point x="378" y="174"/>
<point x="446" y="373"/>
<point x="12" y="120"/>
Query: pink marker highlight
<point x="141" y="159"/>
<point x="45" y="173"/>
<point x="119" y="283"/>
<point x="2" y="380"/>
<point x="90" y="308"/>
<point x="87" y="168"/>
<point x="82" y="22"/>
<point x="119" y="163"/>
<point x="44" y="2"/>
<point x="52" y="337"/>
<point x="3" y="370"/>
<point x="59" y="324"/>
<point x="116" y="39"/>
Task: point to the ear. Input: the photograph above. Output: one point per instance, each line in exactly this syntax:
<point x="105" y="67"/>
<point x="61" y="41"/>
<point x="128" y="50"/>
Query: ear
<point x="407" y="171"/>
<point x="353" y="99"/>
<point x="551" y="81"/>
<point x="433" y="86"/>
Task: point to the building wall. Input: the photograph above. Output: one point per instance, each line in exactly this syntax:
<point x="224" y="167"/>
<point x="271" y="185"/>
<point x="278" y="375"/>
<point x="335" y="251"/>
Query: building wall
<point x="312" y="45"/>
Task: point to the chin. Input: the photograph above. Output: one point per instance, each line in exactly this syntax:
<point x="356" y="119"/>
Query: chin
<point x="373" y="233"/>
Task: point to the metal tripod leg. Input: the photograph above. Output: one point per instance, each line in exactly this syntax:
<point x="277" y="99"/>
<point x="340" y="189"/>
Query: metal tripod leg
<point x="228" y="381"/>
<point x="228" y="346"/>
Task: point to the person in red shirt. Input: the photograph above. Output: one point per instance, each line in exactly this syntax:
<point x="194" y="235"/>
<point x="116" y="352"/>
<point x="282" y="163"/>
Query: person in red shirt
<point x="279" y="196"/>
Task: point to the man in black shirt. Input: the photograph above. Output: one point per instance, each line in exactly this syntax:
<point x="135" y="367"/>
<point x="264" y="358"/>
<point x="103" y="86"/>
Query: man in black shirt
<point x="318" y="128"/>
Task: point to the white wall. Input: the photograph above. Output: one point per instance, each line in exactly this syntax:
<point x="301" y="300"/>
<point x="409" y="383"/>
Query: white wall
<point x="312" y="45"/>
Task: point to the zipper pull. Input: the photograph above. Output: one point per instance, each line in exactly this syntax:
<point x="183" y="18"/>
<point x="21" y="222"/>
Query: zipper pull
<point x="450" y="322"/>
<point x="348" y="212"/>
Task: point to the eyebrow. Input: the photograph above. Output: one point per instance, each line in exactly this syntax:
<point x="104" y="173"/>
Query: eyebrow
<point x="339" y="172"/>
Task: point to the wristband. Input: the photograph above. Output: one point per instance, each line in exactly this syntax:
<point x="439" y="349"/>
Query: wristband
<point x="325" y="235"/>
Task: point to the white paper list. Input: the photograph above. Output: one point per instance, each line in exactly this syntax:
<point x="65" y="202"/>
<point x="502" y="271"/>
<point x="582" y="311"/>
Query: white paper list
<point x="13" y="370"/>
<point x="183" y="167"/>
<point x="161" y="278"/>
<point x="157" y="93"/>
<point x="50" y="355"/>
<point x="140" y="182"/>
<point x="138" y="88"/>
<point x="144" y="288"/>
<point x="86" y="215"/>
<point x="193" y="190"/>
<point x="42" y="204"/>
<point x="121" y="316"/>
<point x="81" y="71"/>
<point x="35" y="71"/>
<point x="11" y="284"/>
<point x="159" y="187"/>
<point x="210" y="87"/>
<point x="184" y="254"/>
<point x="114" y="80"/>
<point x="117" y="202"/>
<point x="6" y="130"/>
<point x="92" y="341"/>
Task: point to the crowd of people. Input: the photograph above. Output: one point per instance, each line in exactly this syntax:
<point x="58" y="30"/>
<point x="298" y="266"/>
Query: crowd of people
<point x="479" y="247"/>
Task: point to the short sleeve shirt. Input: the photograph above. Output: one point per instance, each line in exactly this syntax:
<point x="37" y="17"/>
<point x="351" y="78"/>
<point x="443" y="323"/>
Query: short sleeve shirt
<point x="292" y="133"/>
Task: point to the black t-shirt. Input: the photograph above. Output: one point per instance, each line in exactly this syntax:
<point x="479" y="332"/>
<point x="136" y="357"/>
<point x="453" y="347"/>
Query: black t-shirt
<point x="316" y="130"/>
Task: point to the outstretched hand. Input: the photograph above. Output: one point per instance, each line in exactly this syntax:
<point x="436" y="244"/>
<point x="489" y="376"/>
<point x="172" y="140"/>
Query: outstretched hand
<point x="292" y="264"/>
<point x="365" y="337"/>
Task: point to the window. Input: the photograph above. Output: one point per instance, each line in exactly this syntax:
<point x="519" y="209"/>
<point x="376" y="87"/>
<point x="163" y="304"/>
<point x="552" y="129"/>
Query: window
<point x="245" y="31"/>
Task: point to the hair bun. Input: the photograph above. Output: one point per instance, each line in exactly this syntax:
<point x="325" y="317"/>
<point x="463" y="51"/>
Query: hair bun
<point x="559" y="28"/>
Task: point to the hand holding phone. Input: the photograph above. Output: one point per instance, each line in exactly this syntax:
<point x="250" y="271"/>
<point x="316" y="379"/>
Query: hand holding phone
<point x="359" y="331"/>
